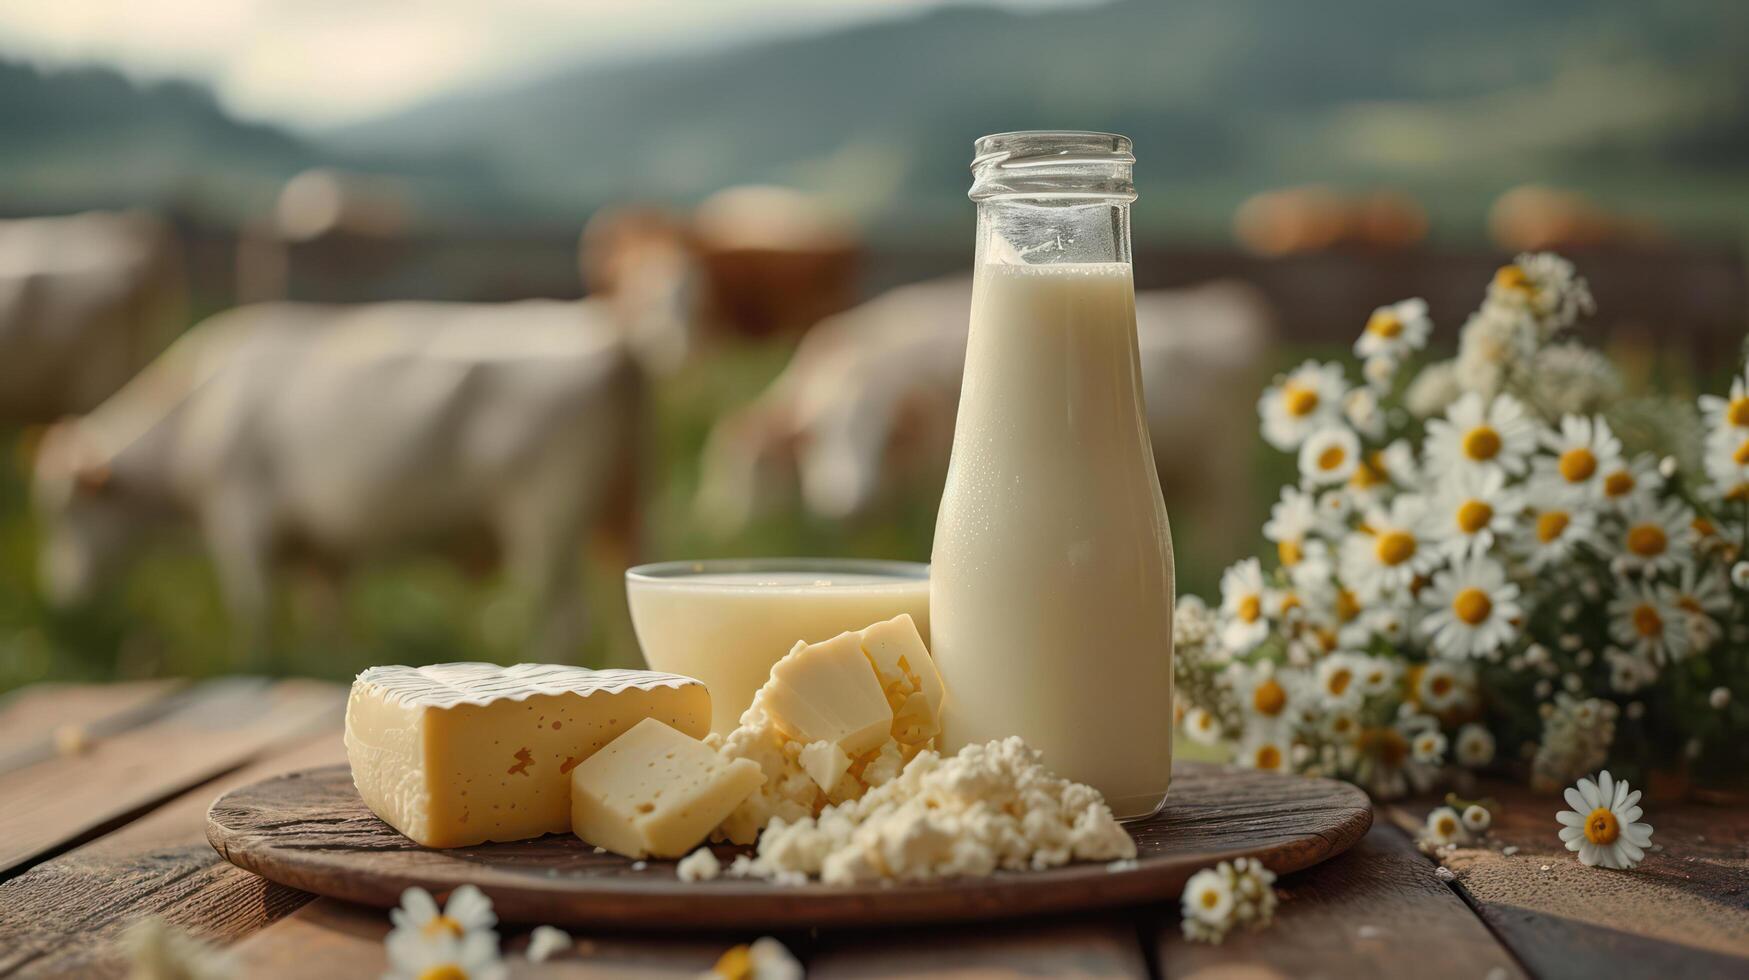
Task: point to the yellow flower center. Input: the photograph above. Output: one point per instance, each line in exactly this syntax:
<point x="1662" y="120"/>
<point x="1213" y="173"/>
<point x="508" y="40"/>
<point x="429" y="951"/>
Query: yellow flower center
<point x="1341" y="724"/>
<point x="1737" y="413"/>
<point x="1209" y="898"/>
<point x="1395" y="547"/>
<point x="1446" y="826"/>
<point x="1703" y="527"/>
<point x="1601" y="827"/>
<point x="1512" y="277"/>
<point x="1647" y="622"/>
<point x="1370" y="473"/>
<point x="1289" y="602"/>
<point x="1741" y="456"/>
<point x="1481" y="443"/>
<point x="1690" y="604"/>
<point x="1268" y="757"/>
<point x="1474" y="515"/>
<point x="443" y="925"/>
<point x="1618" y="484"/>
<point x="1647" y="540"/>
<point x="1347" y="606"/>
<point x="1550" y="524"/>
<point x="1384" y="324"/>
<point x="1299" y="400"/>
<point x="1269" y="698"/>
<point x="1440" y="685"/>
<point x="1577" y="465"/>
<point x="1250" y="608"/>
<point x="445" y="971"/>
<point x="1387" y="744"/>
<point x="1289" y="552"/>
<point x="1472" y="605"/>
<point x="1334" y="456"/>
<point x="736" y="963"/>
<point x="1339" y="681"/>
<point x="1738" y="492"/>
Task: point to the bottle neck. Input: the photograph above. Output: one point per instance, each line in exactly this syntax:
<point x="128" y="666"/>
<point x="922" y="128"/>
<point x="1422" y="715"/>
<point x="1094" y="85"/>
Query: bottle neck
<point x="1046" y="230"/>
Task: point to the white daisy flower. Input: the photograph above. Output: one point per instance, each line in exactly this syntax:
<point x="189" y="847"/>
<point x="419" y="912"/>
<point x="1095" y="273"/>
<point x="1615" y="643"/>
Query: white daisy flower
<point x="1264" y="750"/>
<point x="1380" y="372"/>
<point x="1444" y="826"/>
<point x="468" y="911"/>
<point x="1395" y="331"/>
<point x="1471" y="511"/>
<point x="1261" y="692"/>
<point x="1329" y="456"/>
<point x="1629" y="672"/>
<point x="1740" y="575"/>
<point x="1557" y="524"/>
<point x="1202" y="726"/>
<point x="1387" y="767"/>
<point x="1388" y="555"/>
<point x="1581" y="451"/>
<point x="1475" y="746"/>
<point x="1653" y="536"/>
<point x="1719" y="698"/>
<point x="1208" y="897"/>
<point x="1478" y="433"/>
<point x="1477" y="819"/>
<point x="1428" y="747"/>
<point x="1731" y="412"/>
<point x="1494" y="344"/>
<point x="1727" y="460"/>
<point x="1291" y="519"/>
<point x="1645" y="621"/>
<point x="1705" y="600"/>
<point x="1341" y="725"/>
<point x="1242" y="595"/>
<point x="469" y="956"/>
<point x="1442" y="685"/>
<point x="1338" y="679"/>
<point x="1603" y="825"/>
<point x="1306" y="400"/>
<point x="1475" y="610"/>
<point x="1361" y="408"/>
<point x="1377" y="675"/>
<point x="1387" y="622"/>
<point x="1544" y="285"/>
<point x="1627" y="482"/>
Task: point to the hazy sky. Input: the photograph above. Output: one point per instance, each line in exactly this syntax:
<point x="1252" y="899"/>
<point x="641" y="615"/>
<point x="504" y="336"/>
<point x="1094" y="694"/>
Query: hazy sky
<point x="322" y="62"/>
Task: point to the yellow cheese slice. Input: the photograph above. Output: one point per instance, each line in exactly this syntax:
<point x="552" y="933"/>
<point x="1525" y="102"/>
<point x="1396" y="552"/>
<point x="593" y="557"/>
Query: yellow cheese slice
<point x="656" y="791"/>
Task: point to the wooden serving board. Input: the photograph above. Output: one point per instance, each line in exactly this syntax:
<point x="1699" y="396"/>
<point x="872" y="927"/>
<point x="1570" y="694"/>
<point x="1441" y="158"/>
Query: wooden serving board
<point x="309" y="830"/>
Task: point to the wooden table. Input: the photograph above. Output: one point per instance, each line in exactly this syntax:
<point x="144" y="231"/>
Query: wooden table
<point x="104" y="789"/>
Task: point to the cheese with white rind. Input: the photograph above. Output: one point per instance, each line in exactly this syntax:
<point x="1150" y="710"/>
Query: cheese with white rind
<point x="825" y="692"/>
<point x="656" y="792"/>
<point x="465" y="753"/>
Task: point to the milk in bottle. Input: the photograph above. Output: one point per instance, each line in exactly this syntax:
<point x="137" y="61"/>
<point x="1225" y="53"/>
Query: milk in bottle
<point x="1051" y="588"/>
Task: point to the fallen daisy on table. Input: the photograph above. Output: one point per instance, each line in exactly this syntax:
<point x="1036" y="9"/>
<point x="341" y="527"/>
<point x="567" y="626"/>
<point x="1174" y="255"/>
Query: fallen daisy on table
<point x="764" y="959"/>
<point x="471" y="956"/>
<point x="1603" y="824"/>
<point x="154" y="948"/>
<point x="1230" y="895"/>
<point x="547" y="942"/>
<point x="468" y="911"/>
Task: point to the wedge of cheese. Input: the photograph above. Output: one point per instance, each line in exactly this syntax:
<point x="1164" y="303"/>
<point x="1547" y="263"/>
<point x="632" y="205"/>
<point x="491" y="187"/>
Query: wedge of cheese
<point x="457" y="754"/>
<point x="656" y="792"/>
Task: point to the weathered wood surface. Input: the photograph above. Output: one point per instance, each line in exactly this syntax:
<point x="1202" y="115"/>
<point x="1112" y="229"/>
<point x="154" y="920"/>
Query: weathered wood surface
<point x="1378" y="910"/>
<point x="207" y="731"/>
<point x="1684" y="912"/>
<point x="1098" y="947"/>
<point x="61" y="917"/>
<point x="30" y="718"/>
<point x="311" y="831"/>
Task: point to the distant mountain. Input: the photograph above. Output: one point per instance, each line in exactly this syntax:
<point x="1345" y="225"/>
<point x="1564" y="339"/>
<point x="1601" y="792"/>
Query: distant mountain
<point x="1453" y="101"/>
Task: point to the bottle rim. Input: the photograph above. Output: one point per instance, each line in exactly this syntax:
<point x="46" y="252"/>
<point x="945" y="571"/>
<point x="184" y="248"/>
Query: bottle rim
<point x="1053" y="165"/>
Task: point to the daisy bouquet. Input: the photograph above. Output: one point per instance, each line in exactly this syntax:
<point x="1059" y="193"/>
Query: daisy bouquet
<point x="1493" y="555"/>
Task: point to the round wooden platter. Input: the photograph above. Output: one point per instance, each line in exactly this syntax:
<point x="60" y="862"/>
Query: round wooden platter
<point x="309" y="830"/>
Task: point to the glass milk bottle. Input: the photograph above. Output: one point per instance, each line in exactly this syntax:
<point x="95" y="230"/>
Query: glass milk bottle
<point x="1051" y="586"/>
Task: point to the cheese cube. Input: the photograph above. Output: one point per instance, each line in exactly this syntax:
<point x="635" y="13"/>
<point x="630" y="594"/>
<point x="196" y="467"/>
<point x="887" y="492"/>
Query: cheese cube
<point x="825" y="763"/>
<point x="907" y="675"/>
<point x="825" y="692"/>
<point x="656" y="791"/>
<point x="458" y="754"/>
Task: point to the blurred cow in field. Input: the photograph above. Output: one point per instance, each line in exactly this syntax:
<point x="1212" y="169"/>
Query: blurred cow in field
<point x="749" y="262"/>
<point x="868" y="403"/>
<point x="288" y="430"/>
<point x="85" y="301"/>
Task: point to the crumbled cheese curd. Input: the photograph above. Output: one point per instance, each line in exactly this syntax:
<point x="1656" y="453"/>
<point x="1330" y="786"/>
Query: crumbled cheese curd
<point x="991" y="807"/>
<point x="700" y="865"/>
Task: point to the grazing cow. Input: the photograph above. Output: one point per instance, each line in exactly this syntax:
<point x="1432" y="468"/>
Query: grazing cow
<point x="868" y="402"/>
<point x="85" y="301"/>
<point x="339" y="432"/>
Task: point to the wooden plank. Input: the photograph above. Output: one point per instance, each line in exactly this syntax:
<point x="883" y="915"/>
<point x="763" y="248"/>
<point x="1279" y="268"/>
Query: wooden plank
<point x="1377" y="911"/>
<point x="1093" y="947"/>
<point x="1684" y="912"/>
<point x="212" y="729"/>
<point x="333" y="940"/>
<point x="29" y="717"/>
<point x="63" y="916"/>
